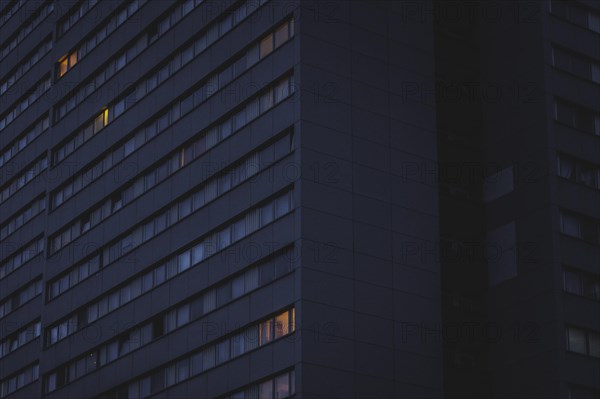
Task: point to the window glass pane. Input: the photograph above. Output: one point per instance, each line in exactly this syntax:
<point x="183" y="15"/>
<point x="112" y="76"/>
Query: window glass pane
<point x="266" y="46"/>
<point x="572" y="282"/>
<point x="570" y="226"/>
<point x="265" y="390"/>
<point x="282" y="386"/>
<point x="576" y="340"/>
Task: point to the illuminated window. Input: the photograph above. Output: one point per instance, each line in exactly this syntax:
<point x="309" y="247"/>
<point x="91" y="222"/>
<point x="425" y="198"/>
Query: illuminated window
<point x="67" y="63"/>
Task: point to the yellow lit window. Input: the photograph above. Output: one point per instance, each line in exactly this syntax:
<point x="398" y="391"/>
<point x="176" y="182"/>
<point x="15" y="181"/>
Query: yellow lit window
<point x="105" y="116"/>
<point x="293" y="320"/>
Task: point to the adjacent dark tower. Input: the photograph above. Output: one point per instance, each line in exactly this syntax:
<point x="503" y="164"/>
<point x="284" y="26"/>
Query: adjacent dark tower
<point x="255" y="199"/>
<point x="519" y="144"/>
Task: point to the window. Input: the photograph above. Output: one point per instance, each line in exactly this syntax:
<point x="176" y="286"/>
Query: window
<point x="577" y="117"/>
<point x="570" y="226"/>
<point x="583" y="341"/>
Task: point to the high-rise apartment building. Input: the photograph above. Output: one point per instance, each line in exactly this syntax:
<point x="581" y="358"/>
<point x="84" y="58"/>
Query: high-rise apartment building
<point x="257" y="199"/>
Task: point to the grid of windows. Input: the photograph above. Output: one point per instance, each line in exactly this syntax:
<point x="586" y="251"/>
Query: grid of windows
<point x="188" y="311"/>
<point x="124" y="57"/>
<point x="579" y="171"/>
<point x="20" y="379"/>
<point x="117" y="19"/>
<point x="181" y="157"/>
<point x="133" y="339"/>
<point x="581" y="283"/>
<point x="210" y="356"/>
<point x="175" y="63"/>
<point x="22" y="179"/>
<point x="279" y="387"/>
<point x="190" y="203"/>
<point x="10" y="11"/>
<point x="21" y="297"/>
<point x="20" y="338"/>
<point x="583" y="341"/>
<point x="25" y="139"/>
<point x="21" y="257"/>
<point x="576" y="13"/>
<point x="581" y="227"/>
<point x="193" y="50"/>
<point x="577" y="117"/>
<point x="23" y="216"/>
<point x="576" y="64"/>
<point x="25" y="65"/>
<point x="25" y="102"/>
<point x="11" y="43"/>
<point x="212" y="243"/>
<point x="75" y="15"/>
<point x="209" y="138"/>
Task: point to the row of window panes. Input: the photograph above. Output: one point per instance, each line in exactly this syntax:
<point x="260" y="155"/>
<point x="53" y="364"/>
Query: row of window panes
<point x="116" y="348"/>
<point x="46" y="9"/>
<point x="17" y="381"/>
<point x="146" y="332"/>
<point x="575" y="64"/>
<point x="581" y="283"/>
<point x="90" y="129"/>
<point x="22" y="257"/>
<point x="79" y="273"/>
<point x="20" y="338"/>
<point x="576" y="13"/>
<point x="116" y="20"/>
<point x="23" y="216"/>
<point x="25" y="177"/>
<point x="26" y="65"/>
<point x="25" y="139"/>
<point x="146" y="85"/>
<point x="214" y="242"/>
<point x="193" y="50"/>
<point x="578" y="171"/>
<point x="20" y="297"/>
<point x="211" y="137"/>
<point x="213" y="355"/>
<point x="40" y="88"/>
<point x="577" y="117"/>
<point x="180" y="158"/>
<point x="581" y="227"/>
<point x="72" y="17"/>
<point x="10" y="11"/>
<point x="278" y="387"/>
<point x="116" y="63"/>
<point x="582" y="341"/>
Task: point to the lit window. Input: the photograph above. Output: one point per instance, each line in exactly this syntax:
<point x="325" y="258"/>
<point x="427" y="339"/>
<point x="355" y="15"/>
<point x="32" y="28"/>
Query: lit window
<point x="72" y="59"/>
<point x="63" y="67"/>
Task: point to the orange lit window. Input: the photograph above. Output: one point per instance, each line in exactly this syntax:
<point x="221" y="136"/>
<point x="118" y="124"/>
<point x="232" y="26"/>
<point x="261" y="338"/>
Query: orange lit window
<point x="67" y="63"/>
<point x="282" y="325"/>
<point x="73" y="59"/>
<point x="63" y="67"/>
